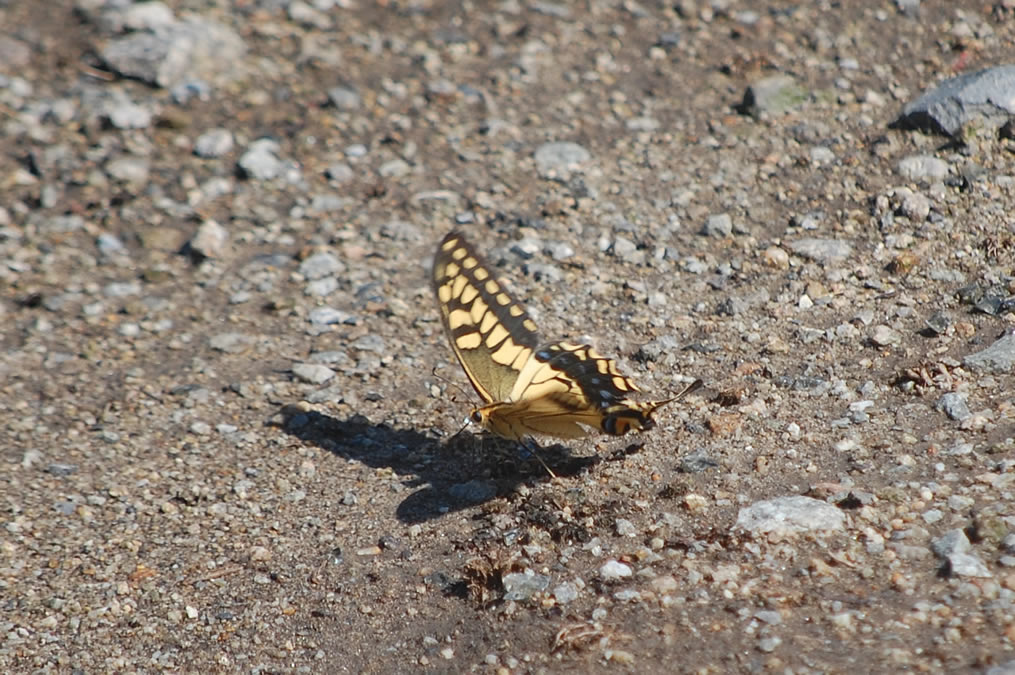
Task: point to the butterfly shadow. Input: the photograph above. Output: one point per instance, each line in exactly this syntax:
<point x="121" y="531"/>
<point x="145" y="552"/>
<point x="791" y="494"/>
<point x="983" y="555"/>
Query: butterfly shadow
<point x="463" y="471"/>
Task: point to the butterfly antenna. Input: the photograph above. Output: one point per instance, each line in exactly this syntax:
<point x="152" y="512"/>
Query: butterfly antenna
<point x="453" y="384"/>
<point x="455" y="435"/>
<point x="690" y="389"/>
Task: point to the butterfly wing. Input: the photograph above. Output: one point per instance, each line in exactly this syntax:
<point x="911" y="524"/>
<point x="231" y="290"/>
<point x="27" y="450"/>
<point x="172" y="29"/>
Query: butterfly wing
<point x="490" y="332"/>
<point x="567" y="390"/>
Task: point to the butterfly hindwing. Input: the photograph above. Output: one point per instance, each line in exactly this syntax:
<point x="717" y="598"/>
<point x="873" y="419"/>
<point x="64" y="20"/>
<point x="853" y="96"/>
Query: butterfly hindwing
<point x="568" y="389"/>
<point x="490" y="332"/>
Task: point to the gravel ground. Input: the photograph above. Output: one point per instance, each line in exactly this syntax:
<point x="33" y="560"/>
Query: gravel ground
<point x="224" y="443"/>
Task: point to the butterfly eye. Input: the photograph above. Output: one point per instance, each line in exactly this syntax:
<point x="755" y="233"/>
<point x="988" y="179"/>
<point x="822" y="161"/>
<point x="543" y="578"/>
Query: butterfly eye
<point x="476" y="417"/>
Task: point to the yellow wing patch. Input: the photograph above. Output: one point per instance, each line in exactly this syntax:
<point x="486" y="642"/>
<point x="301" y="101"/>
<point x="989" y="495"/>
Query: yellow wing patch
<point x="560" y="389"/>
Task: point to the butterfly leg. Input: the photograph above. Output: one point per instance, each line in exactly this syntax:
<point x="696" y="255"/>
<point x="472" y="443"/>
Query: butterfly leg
<point x="530" y="446"/>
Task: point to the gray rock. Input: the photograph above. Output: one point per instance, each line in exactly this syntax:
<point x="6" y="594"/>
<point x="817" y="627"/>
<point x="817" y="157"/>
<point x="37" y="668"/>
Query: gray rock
<point x="521" y="587"/>
<point x="240" y="297"/>
<point x="912" y="205"/>
<point x="323" y="316"/>
<point x="642" y="124"/>
<point x="719" y="226"/>
<point x="395" y="168"/>
<point x="986" y="96"/>
<point x="917" y="167"/>
<point x="809" y="221"/>
<point x="998" y="358"/>
<point x="314" y="373"/>
<point x="61" y="469"/>
<point x="548" y="274"/>
<point x="321" y="265"/>
<point x="370" y="343"/>
<point x="958" y="450"/>
<point x="910" y="552"/>
<point x="121" y="289"/>
<point x="821" y="155"/>
<point x="326" y="203"/>
<point x="132" y="170"/>
<point x="344" y="98"/>
<point x="559" y="250"/>
<point x="950" y="543"/>
<point x="769" y="616"/>
<point x="62" y="224"/>
<point x="231" y="343"/>
<point x="625" y="528"/>
<point x="209" y="241"/>
<point x="910" y="8"/>
<point x="697" y="462"/>
<point x="658" y="348"/>
<point x="954" y="405"/>
<point x="825" y="251"/>
<point x="332" y="357"/>
<point x="526" y="248"/>
<point x="170" y="54"/>
<point x="858" y="412"/>
<point x="213" y="143"/>
<point x="340" y="172"/>
<point x="319" y="288"/>
<point x="401" y="230"/>
<point x="732" y="306"/>
<point x="261" y="160"/>
<point x="200" y="428"/>
<point x="557" y="160"/>
<point x="990" y="304"/>
<point x="565" y="592"/>
<point x="786" y="515"/>
<point x="307" y="16"/>
<point x="967" y="565"/>
<point x="243" y="487"/>
<point x="939" y="323"/>
<point x="885" y="336"/>
<point x="612" y="570"/>
<point x="624" y="248"/>
<point x="109" y="244"/>
<point x="145" y="16"/>
<point x="50" y="195"/>
<point x="772" y="95"/>
<point x="127" y="115"/>
<point x="183" y="92"/>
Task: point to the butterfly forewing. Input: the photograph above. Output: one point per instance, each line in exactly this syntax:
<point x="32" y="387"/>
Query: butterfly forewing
<point x="491" y="333"/>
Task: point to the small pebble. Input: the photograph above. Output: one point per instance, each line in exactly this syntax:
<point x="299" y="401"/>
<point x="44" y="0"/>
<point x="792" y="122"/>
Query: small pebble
<point x="612" y="570"/>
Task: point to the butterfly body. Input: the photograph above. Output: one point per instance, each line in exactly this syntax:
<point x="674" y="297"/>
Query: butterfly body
<point x="557" y="389"/>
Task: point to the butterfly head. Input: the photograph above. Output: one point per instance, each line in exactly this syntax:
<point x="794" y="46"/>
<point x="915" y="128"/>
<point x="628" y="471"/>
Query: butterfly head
<point x="486" y="418"/>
